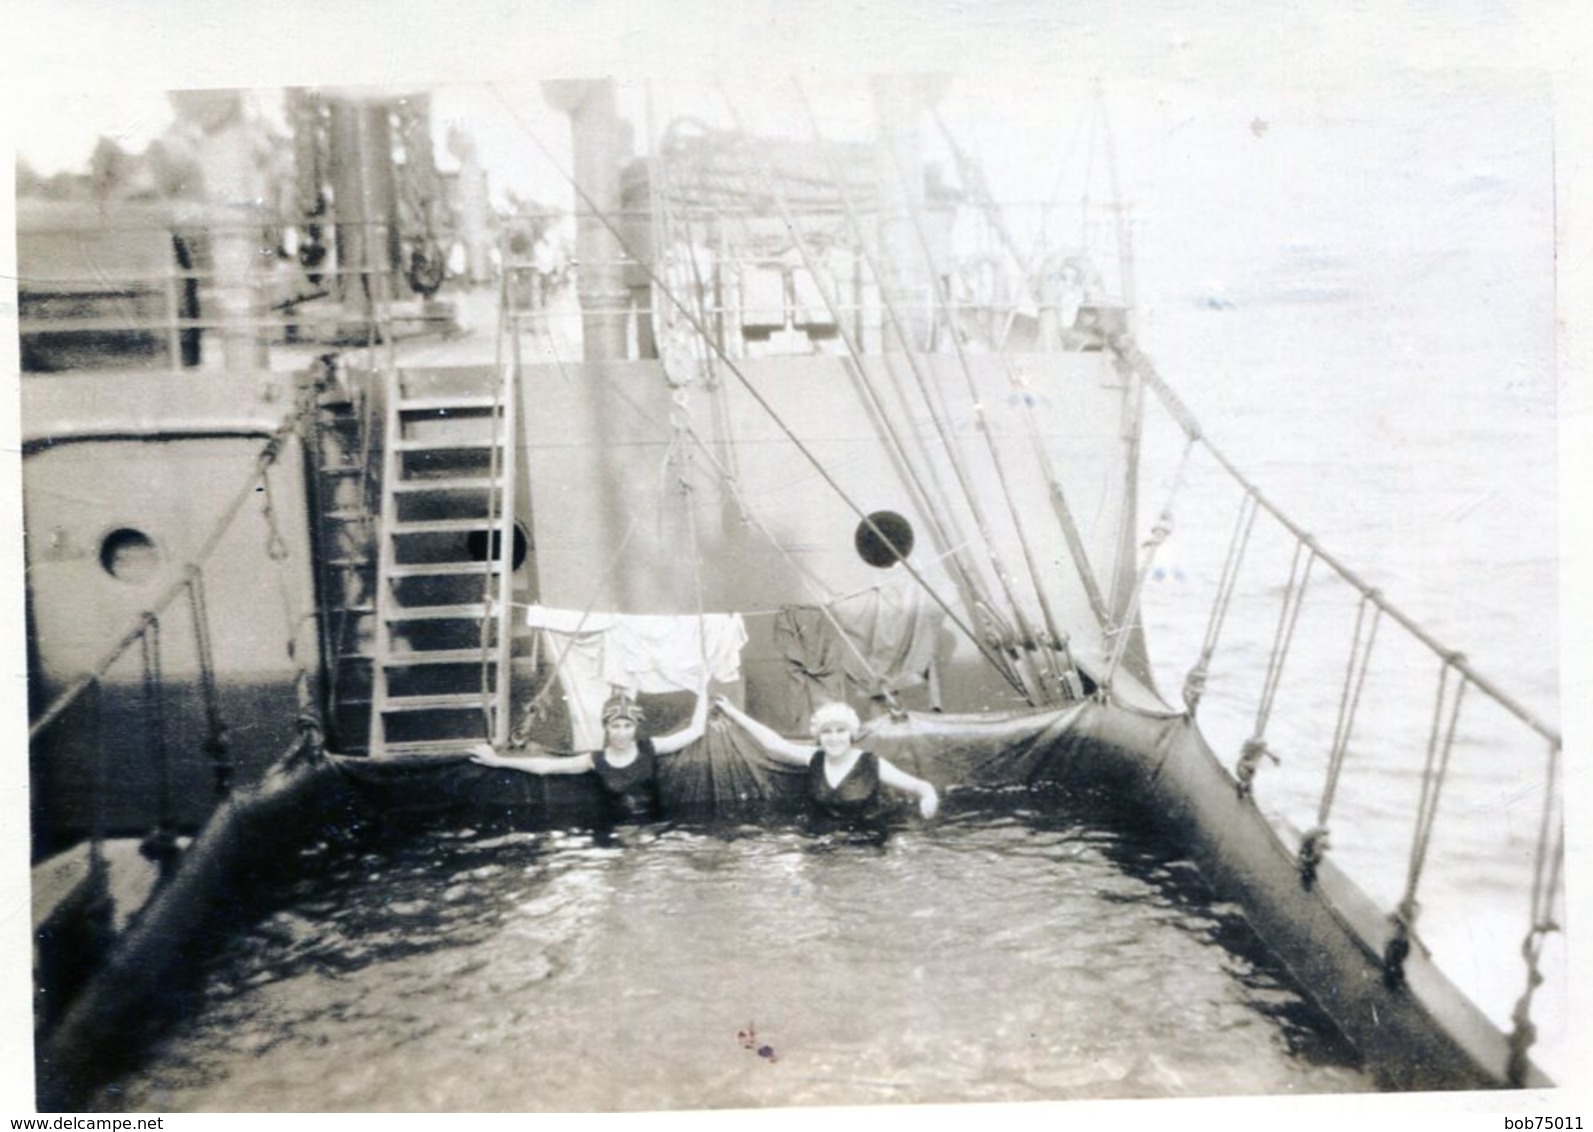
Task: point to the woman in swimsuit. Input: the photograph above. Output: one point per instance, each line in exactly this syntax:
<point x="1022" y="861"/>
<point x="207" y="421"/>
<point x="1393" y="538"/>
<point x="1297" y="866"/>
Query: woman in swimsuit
<point x="843" y="780"/>
<point x="627" y="766"/>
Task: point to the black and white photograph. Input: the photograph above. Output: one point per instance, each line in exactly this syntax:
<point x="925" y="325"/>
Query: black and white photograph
<point x="642" y="559"/>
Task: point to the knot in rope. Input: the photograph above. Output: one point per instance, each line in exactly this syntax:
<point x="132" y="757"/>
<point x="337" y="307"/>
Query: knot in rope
<point x="997" y="632"/>
<point x="1313" y="851"/>
<point x="1250" y="756"/>
<point x="1523" y="1035"/>
<point x="1524" y="1032"/>
<point x="218" y="748"/>
<point x="1397" y="950"/>
<point x="308" y="745"/>
<point x="160" y="846"/>
<point x="309" y="726"/>
<point x="1195" y="682"/>
<point x="276" y="545"/>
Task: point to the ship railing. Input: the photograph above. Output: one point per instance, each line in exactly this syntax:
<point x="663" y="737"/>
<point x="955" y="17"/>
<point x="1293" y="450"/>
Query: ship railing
<point x="144" y="636"/>
<point x="1442" y="727"/>
<point x="194" y="276"/>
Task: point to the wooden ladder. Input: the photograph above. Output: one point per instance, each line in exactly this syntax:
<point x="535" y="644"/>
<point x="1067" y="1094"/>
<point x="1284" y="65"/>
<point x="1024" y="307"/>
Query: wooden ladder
<point x="440" y="672"/>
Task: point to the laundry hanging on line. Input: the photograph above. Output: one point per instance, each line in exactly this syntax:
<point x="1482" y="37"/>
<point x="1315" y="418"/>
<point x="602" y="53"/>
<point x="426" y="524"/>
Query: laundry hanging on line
<point x="599" y="654"/>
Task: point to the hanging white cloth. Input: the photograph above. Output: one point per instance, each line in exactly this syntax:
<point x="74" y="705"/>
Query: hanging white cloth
<point x="895" y="628"/>
<point x="599" y="654"/>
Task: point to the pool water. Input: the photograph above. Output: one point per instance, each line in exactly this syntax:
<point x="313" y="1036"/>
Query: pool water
<point x="1019" y="948"/>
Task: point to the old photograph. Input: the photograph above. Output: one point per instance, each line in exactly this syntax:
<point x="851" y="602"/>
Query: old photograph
<point x="811" y="561"/>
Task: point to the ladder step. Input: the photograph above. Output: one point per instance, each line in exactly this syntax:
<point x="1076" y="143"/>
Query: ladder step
<point x="459" y="483"/>
<point x="477" y="444"/>
<point x="422" y="747"/>
<point x="440" y="526"/>
<point x="349" y="514"/>
<point x="341" y="470"/>
<point x="463" y="403"/>
<point x="471" y="612"/>
<point x="351" y="563"/>
<point x="441" y="569"/>
<point x="458" y="701"/>
<point x="438" y="656"/>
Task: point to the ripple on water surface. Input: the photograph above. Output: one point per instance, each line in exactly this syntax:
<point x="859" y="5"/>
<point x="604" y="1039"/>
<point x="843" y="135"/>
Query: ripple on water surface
<point x="991" y="956"/>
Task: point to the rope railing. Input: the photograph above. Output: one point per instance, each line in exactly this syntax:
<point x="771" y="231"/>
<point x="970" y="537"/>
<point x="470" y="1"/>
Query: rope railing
<point x="1123" y="344"/>
<point x="1456" y="677"/>
<point x="176" y="589"/>
<point x="1315" y="841"/>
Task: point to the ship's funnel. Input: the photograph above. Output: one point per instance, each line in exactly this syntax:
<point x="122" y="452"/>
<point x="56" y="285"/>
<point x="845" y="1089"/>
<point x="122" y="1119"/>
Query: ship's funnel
<point x="600" y="146"/>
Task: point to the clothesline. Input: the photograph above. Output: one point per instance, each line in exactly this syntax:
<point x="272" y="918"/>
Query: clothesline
<point x="523" y="605"/>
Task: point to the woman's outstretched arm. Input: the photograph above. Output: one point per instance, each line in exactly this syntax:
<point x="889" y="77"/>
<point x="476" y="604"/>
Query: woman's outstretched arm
<point x="686" y="736"/>
<point x="893" y="776"/>
<point x="771" y="740"/>
<point x="532" y="764"/>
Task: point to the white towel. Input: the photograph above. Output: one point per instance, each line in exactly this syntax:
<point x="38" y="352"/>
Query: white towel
<point x="602" y="653"/>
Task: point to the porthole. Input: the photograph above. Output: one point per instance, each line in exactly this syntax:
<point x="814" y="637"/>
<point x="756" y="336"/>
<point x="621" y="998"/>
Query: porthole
<point x="129" y="555"/>
<point x="883" y="539"/>
<point x="478" y="542"/>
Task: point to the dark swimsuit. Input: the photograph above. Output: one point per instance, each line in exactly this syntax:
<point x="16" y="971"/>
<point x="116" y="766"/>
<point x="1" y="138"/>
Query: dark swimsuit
<point x="632" y="790"/>
<point x="856" y="796"/>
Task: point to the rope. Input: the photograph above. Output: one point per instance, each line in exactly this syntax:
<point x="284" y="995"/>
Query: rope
<point x="1067" y="682"/>
<point x="936" y="412"/>
<point x="1548" y="866"/>
<point x="1238" y="543"/>
<point x="751" y="389"/>
<point x="518" y="735"/>
<point x="1058" y="498"/>
<point x="925" y="499"/>
<point x="1440" y="744"/>
<point x="1314" y="844"/>
<point x="277" y="551"/>
<point x="1255" y="748"/>
<point x="218" y="741"/>
<point x="821" y="602"/>
<point x="58" y="706"/>
<point x="97" y="802"/>
<point x="160" y="844"/>
<point x="1158" y="535"/>
<point x="1124" y="345"/>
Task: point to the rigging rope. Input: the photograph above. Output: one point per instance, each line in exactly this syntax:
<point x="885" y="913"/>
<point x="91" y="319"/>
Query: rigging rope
<point x="1238" y="543"/>
<point x="936" y="412"/>
<point x="1067" y="680"/>
<point x="1163" y="527"/>
<point x="218" y="740"/>
<point x="821" y="602"/>
<point x="160" y="844"/>
<point x="942" y="524"/>
<point x="277" y="551"/>
<point x="1547" y="871"/>
<point x="1440" y="743"/>
<point x="1255" y="748"/>
<point x="751" y="389"/>
<point x="974" y="180"/>
<point x="267" y="456"/>
<point x="1315" y="842"/>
